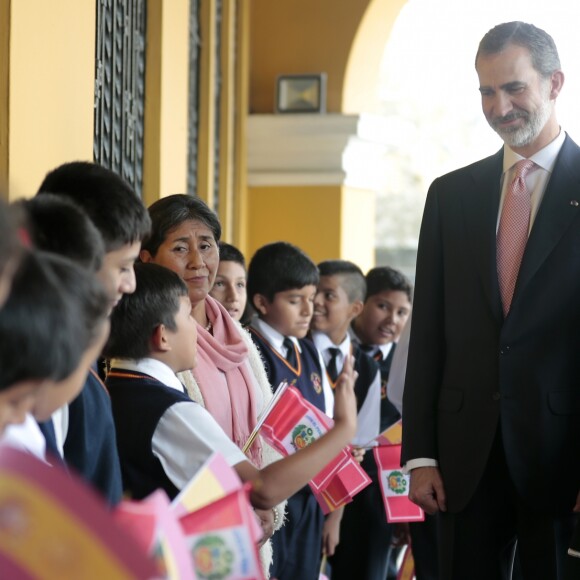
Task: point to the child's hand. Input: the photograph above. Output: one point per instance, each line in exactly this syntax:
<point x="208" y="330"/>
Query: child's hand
<point x="358" y="454"/>
<point x="266" y="518"/>
<point x="344" y="398"/>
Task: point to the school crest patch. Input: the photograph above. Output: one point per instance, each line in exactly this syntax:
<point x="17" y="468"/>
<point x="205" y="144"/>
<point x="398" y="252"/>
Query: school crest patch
<point x="383" y="389"/>
<point x="397" y="482"/>
<point x="212" y="558"/>
<point x="316" y="382"/>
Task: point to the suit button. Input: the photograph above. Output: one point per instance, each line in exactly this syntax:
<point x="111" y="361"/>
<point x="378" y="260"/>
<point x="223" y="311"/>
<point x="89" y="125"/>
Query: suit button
<point x="504" y="349"/>
<point x="496" y="396"/>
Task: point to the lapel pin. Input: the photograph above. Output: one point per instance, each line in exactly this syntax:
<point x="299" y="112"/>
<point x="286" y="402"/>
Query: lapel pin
<point x="574" y="203"/>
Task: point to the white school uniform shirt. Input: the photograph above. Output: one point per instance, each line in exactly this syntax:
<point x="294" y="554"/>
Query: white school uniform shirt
<point x="26" y="437"/>
<point x="276" y="340"/>
<point x="186" y="434"/>
<point x="369" y="416"/>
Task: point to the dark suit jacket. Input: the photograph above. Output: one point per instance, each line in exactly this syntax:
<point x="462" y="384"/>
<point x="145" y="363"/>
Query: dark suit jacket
<point x="469" y="370"/>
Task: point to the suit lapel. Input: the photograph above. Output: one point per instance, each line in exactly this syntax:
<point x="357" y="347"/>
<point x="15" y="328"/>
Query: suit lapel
<point x="555" y="214"/>
<point x="480" y="213"/>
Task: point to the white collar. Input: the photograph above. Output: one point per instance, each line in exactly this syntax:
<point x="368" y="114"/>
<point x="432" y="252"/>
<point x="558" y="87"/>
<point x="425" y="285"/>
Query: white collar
<point x="323" y="342"/>
<point x="275" y="338"/>
<point x="545" y="158"/>
<point x="149" y="366"/>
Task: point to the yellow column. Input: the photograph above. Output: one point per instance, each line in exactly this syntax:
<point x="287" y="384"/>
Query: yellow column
<point x="166" y="102"/>
<point x="47" y="53"/>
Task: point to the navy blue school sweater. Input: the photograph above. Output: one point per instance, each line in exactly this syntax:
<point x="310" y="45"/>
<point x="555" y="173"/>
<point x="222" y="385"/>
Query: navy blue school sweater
<point x="91" y="445"/>
<point x="139" y="402"/>
<point x="306" y="377"/>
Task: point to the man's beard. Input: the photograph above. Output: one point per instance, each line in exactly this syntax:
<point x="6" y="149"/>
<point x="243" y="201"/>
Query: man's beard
<point x="533" y="124"/>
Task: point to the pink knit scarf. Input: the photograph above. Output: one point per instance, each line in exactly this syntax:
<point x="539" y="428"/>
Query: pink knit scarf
<point x="223" y="354"/>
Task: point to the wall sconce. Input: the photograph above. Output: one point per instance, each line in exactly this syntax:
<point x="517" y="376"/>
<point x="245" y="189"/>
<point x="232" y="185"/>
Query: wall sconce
<point x="301" y="93"/>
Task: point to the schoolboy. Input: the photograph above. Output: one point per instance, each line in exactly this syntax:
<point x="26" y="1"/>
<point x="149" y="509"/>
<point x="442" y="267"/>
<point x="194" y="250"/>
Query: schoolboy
<point x="282" y="282"/>
<point x="123" y="221"/>
<point x="229" y="288"/>
<point x="364" y="528"/>
<point x="163" y="436"/>
<point x="338" y="301"/>
<point x="40" y="369"/>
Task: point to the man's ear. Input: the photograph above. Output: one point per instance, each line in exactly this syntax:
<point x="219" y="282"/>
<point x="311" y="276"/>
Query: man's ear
<point x="557" y="82"/>
<point x="260" y="303"/>
<point x="145" y="256"/>
<point x="159" y="342"/>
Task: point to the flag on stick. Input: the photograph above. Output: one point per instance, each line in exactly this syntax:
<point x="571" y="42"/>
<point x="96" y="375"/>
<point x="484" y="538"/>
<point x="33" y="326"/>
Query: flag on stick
<point x="395" y="486"/>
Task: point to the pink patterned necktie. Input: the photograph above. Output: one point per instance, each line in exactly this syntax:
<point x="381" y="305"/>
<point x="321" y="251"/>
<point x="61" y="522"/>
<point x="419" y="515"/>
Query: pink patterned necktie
<point x="512" y="234"/>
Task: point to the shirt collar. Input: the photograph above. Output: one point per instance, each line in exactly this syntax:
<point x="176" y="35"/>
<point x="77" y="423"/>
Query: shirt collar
<point x="323" y="342"/>
<point x="545" y="158"/>
<point x="275" y="338"/>
<point x="384" y="348"/>
<point x="149" y="366"/>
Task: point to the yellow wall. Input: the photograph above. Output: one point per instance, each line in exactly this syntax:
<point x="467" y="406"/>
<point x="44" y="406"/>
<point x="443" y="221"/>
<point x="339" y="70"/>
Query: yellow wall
<point x="301" y="36"/>
<point x="49" y="113"/>
<point x="327" y="222"/>
<point x="166" y="103"/>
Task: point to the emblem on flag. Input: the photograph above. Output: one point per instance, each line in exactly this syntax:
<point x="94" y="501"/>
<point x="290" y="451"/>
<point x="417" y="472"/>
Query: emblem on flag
<point x="212" y="558"/>
<point x="302" y="436"/>
<point x="397" y="482"/>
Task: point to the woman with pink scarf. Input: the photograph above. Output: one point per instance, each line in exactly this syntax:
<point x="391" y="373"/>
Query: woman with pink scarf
<point x="229" y="380"/>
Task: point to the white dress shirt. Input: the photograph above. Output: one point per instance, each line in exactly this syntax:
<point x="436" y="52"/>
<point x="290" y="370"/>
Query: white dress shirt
<point x="369" y="415"/>
<point x="27" y="437"/>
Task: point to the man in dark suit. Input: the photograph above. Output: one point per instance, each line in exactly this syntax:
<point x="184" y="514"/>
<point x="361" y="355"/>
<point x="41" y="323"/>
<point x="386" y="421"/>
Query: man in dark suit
<point x="491" y="408"/>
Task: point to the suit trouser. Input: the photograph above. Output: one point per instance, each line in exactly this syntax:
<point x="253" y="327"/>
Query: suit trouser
<point x="475" y="543"/>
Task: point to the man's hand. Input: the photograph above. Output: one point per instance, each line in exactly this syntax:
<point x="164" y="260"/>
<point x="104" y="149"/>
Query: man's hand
<point x="426" y="489"/>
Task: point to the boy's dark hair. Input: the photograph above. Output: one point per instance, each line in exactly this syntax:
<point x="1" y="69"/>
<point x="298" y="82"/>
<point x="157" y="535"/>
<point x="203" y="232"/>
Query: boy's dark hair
<point x="352" y="280"/>
<point x="109" y="201"/>
<point x="56" y="224"/>
<point x="170" y="212"/>
<point x="278" y="267"/>
<point x="384" y="279"/>
<point x="10" y="247"/>
<point x="53" y="314"/>
<point x="154" y="302"/>
<point x="229" y="253"/>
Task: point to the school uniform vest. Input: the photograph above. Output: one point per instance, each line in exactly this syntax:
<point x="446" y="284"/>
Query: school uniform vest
<point x="306" y="377"/>
<point x="139" y="401"/>
<point x="90" y="447"/>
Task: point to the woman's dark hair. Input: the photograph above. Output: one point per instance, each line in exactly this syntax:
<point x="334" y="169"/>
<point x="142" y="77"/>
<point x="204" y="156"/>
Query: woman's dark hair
<point x="170" y="212"/>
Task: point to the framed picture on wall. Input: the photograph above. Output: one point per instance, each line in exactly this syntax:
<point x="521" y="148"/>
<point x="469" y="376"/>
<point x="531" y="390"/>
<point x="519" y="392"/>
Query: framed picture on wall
<point x="301" y="93"/>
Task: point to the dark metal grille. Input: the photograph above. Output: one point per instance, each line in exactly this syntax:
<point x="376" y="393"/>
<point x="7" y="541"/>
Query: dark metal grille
<point x="120" y="88"/>
<point x="193" y="107"/>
